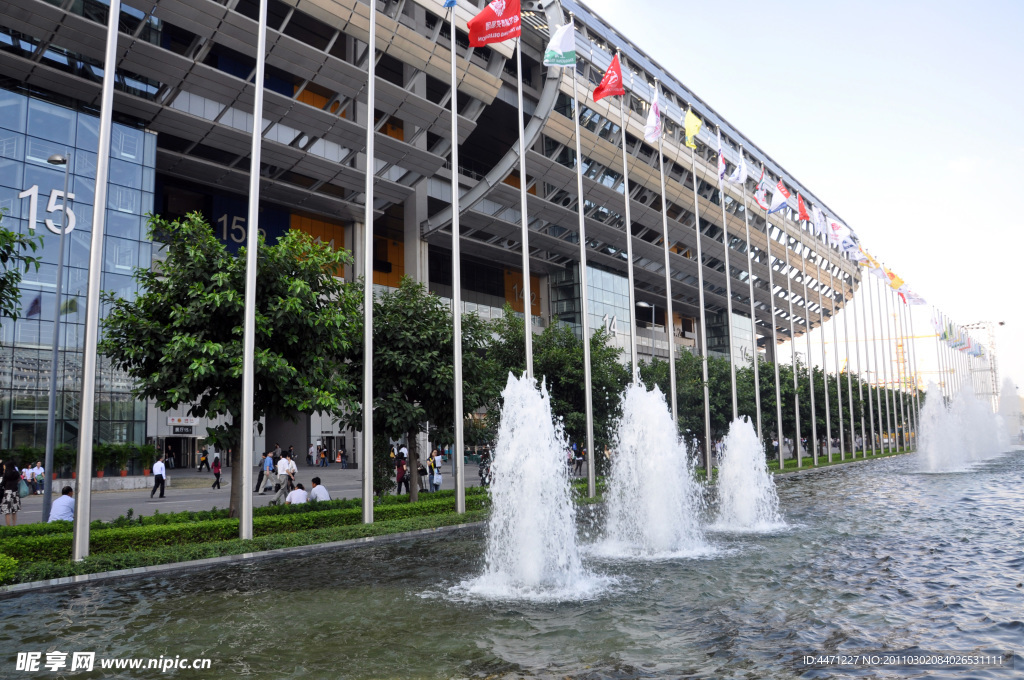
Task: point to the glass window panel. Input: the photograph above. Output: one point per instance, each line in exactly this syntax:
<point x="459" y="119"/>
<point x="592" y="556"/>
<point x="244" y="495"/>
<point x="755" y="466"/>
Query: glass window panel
<point x="39" y="150"/>
<point x="84" y="163"/>
<point x="13" y="109"/>
<point x="11" y="173"/>
<point x="51" y="121"/>
<point x="149" y="145"/>
<point x="148" y="179"/>
<point x="119" y="285"/>
<point x="120" y="255"/>
<point x="123" y="225"/>
<point x="10" y="204"/>
<point x="126" y="144"/>
<point x="11" y="145"/>
<point x="48" y="178"/>
<point x="88" y="133"/>
<point x="124" y="200"/>
<point x="85" y="191"/>
<point x="125" y="174"/>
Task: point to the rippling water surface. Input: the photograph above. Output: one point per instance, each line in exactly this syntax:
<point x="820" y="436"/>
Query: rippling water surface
<point x="877" y="557"/>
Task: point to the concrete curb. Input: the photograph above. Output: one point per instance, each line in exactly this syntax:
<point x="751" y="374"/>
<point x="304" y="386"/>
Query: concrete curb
<point x="86" y="579"/>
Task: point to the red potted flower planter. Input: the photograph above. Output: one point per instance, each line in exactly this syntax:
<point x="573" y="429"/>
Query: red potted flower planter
<point x="145" y="472"/>
<point x="124" y="473"/>
<point x="99" y="473"/>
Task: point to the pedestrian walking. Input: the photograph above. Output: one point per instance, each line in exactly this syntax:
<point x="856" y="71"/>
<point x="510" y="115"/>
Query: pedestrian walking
<point x="216" y="473"/>
<point x="203" y="460"/>
<point x="262" y="465"/>
<point x="434" y="470"/>
<point x="159" y="475"/>
<point x="402" y="474"/>
<point x="286" y="472"/>
<point x="10" y="483"/>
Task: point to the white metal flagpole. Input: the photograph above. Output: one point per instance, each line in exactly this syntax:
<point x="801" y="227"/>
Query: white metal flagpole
<point x="525" y="222"/>
<point x="728" y="291"/>
<point x="246" y="452"/>
<point x="885" y="369"/>
<point x="810" y="362"/>
<point x="775" y="338"/>
<point x="824" y="361"/>
<point x="629" y="245"/>
<point x="83" y="484"/>
<point x="584" y="306"/>
<point x="867" y="371"/>
<point x="703" y="315"/>
<point x="460" y="462"/>
<point x="849" y="377"/>
<point x="753" y="306"/>
<point x="371" y="168"/>
<point x="839" y="373"/>
<point x="860" y="376"/>
<point x="792" y="347"/>
<point x="669" y="317"/>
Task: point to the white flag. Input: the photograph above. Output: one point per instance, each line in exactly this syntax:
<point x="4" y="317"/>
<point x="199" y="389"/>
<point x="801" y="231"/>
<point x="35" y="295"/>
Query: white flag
<point x="561" y="49"/>
<point x="739" y="175"/>
<point x="652" y="131"/>
<point x="820" y="224"/>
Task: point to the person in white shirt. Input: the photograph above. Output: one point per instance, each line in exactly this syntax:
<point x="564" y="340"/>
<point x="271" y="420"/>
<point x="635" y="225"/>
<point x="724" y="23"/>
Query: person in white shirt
<point x="64" y="507"/>
<point x="159" y="474"/>
<point x="297" y="496"/>
<point x="311" y="455"/>
<point x="319" y="491"/>
<point x="286" y="472"/>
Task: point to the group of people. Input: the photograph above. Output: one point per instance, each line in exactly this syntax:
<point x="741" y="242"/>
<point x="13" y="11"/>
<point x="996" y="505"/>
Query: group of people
<point x="278" y="472"/>
<point x="429" y="477"/>
<point x="319" y="455"/>
<point x="11" y="491"/>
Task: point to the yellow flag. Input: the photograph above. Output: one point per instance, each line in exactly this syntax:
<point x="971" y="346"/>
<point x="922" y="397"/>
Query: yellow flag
<point x="894" y="281"/>
<point x="691" y="125"/>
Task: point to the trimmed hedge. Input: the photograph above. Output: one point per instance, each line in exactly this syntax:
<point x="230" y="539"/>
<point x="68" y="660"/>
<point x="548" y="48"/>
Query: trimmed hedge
<point x="146" y="537"/>
<point x="188" y="516"/>
<point x="37" y="571"/>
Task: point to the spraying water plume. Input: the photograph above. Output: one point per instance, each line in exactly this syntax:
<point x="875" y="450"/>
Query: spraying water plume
<point x="653" y="499"/>
<point x="747" y="499"/>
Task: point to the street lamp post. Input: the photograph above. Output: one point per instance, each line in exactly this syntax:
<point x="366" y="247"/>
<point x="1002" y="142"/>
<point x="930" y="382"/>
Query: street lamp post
<point x="55" y="159"/>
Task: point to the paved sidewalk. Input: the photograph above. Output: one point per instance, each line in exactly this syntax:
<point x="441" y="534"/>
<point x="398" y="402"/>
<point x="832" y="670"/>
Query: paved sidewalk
<point x="191" y="490"/>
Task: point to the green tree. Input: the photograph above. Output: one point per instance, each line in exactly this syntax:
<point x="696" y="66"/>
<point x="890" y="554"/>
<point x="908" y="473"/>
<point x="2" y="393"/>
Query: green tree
<point x="558" y="360"/>
<point x="14" y="262"/>
<point x="414" y="374"/>
<point x="181" y="338"/>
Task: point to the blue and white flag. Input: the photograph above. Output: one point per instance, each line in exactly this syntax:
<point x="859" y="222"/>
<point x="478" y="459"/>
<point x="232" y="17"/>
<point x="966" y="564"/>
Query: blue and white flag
<point x="449" y="4"/>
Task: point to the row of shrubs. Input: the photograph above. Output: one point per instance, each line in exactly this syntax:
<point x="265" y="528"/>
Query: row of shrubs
<point x="191" y="516"/>
<point x="57" y="546"/>
<point x="12" y="571"/>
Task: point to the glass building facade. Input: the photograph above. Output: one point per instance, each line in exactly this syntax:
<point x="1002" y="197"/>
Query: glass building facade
<point x="608" y="298"/>
<point x="31" y="198"/>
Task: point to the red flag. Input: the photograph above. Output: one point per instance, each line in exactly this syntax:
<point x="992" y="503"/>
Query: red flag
<point x="611" y="84"/>
<point x="803" y="209"/>
<point x="496" y="23"/>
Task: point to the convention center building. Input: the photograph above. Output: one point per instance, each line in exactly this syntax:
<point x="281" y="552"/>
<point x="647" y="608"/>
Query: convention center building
<point x="181" y="142"/>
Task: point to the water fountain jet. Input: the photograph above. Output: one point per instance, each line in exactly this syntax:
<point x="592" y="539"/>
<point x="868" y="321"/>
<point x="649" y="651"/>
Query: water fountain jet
<point x="653" y="499"/>
<point x="747" y="499"/>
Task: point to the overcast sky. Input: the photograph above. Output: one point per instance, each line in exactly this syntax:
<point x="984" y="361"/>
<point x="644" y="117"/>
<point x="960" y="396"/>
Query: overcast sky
<point x="903" y="116"/>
